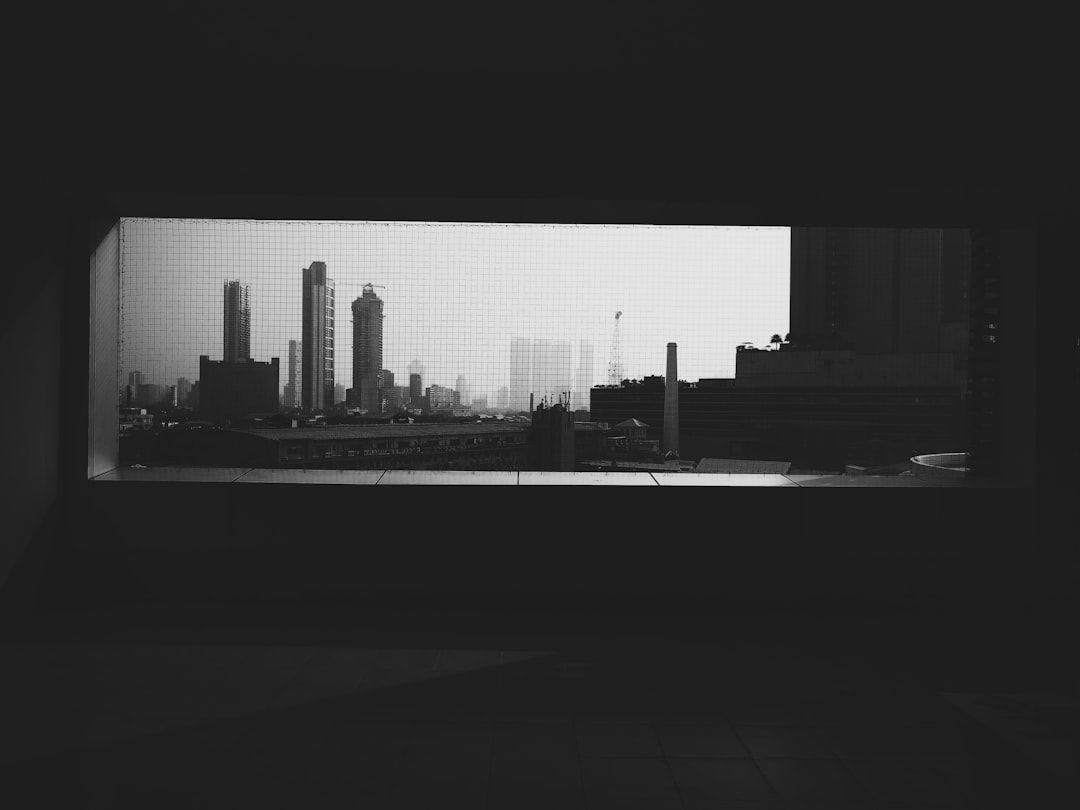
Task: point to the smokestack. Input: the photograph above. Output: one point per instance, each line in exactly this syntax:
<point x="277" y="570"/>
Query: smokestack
<point x="671" y="403"/>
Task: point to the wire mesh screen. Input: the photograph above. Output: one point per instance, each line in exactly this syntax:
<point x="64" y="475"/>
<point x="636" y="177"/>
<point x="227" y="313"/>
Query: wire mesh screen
<point x="434" y="345"/>
<point x="373" y="319"/>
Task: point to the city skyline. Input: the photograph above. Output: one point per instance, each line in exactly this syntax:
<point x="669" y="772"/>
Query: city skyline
<point x="456" y="295"/>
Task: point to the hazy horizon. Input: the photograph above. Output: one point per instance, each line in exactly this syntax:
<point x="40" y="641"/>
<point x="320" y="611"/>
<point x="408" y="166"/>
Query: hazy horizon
<point x="456" y="294"/>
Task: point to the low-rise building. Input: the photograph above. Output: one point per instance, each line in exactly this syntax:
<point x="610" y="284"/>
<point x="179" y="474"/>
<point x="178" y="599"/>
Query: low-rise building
<point x="491" y="446"/>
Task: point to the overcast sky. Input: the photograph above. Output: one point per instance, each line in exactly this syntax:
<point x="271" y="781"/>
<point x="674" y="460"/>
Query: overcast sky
<point x="456" y="294"/>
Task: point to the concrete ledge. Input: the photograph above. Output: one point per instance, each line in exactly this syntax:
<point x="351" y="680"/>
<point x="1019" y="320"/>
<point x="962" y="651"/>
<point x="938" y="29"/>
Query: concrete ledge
<point x="247" y="475"/>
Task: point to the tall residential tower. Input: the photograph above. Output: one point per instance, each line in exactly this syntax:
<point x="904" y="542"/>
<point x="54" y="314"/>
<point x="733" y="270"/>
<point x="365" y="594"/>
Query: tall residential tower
<point x="367" y="359"/>
<point x="237" y="323"/>
<point x="317" y="390"/>
<point x="294" y="385"/>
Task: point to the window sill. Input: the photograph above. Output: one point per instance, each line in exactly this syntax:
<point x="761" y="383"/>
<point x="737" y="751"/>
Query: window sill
<point x="245" y="475"/>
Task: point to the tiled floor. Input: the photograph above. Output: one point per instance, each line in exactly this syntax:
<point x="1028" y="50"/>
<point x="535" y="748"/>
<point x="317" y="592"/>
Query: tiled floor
<point x="628" y="720"/>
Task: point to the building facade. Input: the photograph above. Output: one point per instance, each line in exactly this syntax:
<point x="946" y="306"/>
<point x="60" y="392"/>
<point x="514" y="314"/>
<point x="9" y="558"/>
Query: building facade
<point x="879" y="290"/>
<point x="439" y="396"/>
<point x="229" y="391"/>
<point x="541" y="369"/>
<point x="317" y="389"/>
<point x="372" y="447"/>
<point x="367" y="359"/>
<point x="294" y="380"/>
<point x="237" y="323"/>
<point x="816" y="430"/>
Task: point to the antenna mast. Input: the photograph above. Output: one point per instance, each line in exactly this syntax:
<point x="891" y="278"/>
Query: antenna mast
<point x="615" y="368"/>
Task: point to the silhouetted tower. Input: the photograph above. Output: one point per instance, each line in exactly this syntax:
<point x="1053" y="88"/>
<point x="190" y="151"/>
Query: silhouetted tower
<point x="671" y="403"/>
<point x="367" y="313"/>
<point x="615" y="368"/>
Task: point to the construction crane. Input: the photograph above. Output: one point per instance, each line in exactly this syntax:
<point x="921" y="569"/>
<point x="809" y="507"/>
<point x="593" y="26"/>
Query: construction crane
<point x="615" y="368"/>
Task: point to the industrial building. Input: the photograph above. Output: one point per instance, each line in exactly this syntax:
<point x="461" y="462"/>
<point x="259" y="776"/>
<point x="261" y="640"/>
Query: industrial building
<point x="356" y="447"/>
<point x="230" y="391"/>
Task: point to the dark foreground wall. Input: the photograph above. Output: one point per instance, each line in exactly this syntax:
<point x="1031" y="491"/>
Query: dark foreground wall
<point x="683" y="549"/>
<point x="552" y="547"/>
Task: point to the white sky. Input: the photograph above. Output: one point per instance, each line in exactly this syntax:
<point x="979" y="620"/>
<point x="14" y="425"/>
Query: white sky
<point x="456" y="294"/>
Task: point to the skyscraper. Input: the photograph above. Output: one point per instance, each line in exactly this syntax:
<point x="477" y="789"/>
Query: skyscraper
<point x="317" y="390"/>
<point x="538" y="367"/>
<point x="294" y="384"/>
<point x="237" y="323"/>
<point x="462" y="389"/>
<point x="416" y="381"/>
<point x="520" y="374"/>
<point x="367" y="312"/>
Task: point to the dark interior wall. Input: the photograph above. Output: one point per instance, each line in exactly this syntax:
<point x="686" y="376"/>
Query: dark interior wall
<point x="683" y="549"/>
<point x="31" y="343"/>
<point x="714" y="127"/>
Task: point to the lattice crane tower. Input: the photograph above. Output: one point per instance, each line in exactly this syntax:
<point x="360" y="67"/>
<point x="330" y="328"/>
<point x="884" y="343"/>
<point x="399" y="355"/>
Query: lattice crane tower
<point x="615" y="367"/>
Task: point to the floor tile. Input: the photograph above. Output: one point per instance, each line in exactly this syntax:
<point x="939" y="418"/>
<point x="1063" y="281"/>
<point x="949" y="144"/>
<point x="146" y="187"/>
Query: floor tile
<point x="538" y="797"/>
<point x="703" y="780"/>
<point x="692" y="740"/>
<point x="608" y="779"/>
<point x="636" y="803"/>
<point x="556" y="771"/>
<point x="536" y="782"/>
<point x="535" y="740"/>
<point x="713" y="804"/>
<point x="450" y="739"/>
<point x="902" y="780"/>
<point x="812" y="779"/>
<point x="783" y="741"/>
<point x="890" y="742"/>
<point x="617" y="740"/>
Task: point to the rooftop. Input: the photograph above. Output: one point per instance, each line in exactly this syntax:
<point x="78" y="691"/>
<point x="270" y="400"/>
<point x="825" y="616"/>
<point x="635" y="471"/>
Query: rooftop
<point x="738" y="465"/>
<point x="341" y="432"/>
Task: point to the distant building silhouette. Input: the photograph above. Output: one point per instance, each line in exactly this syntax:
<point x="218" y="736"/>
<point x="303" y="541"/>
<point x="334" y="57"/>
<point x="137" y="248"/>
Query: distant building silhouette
<point x="183" y="390"/>
<point x="439" y="396"/>
<point x="416" y="388"/>
<point x="552" y="439"/>
<point x="237" y="323"/>
<point x="232" y="390"/>
<point x="147" y="395"/>
<point x="391" y="393"/>
<point x="671" y="403"/>
<point x="317" y="390"/>
<point x="538" y="367"/>
<point x="367" y="358"/>
<point x="293" y="386"/>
